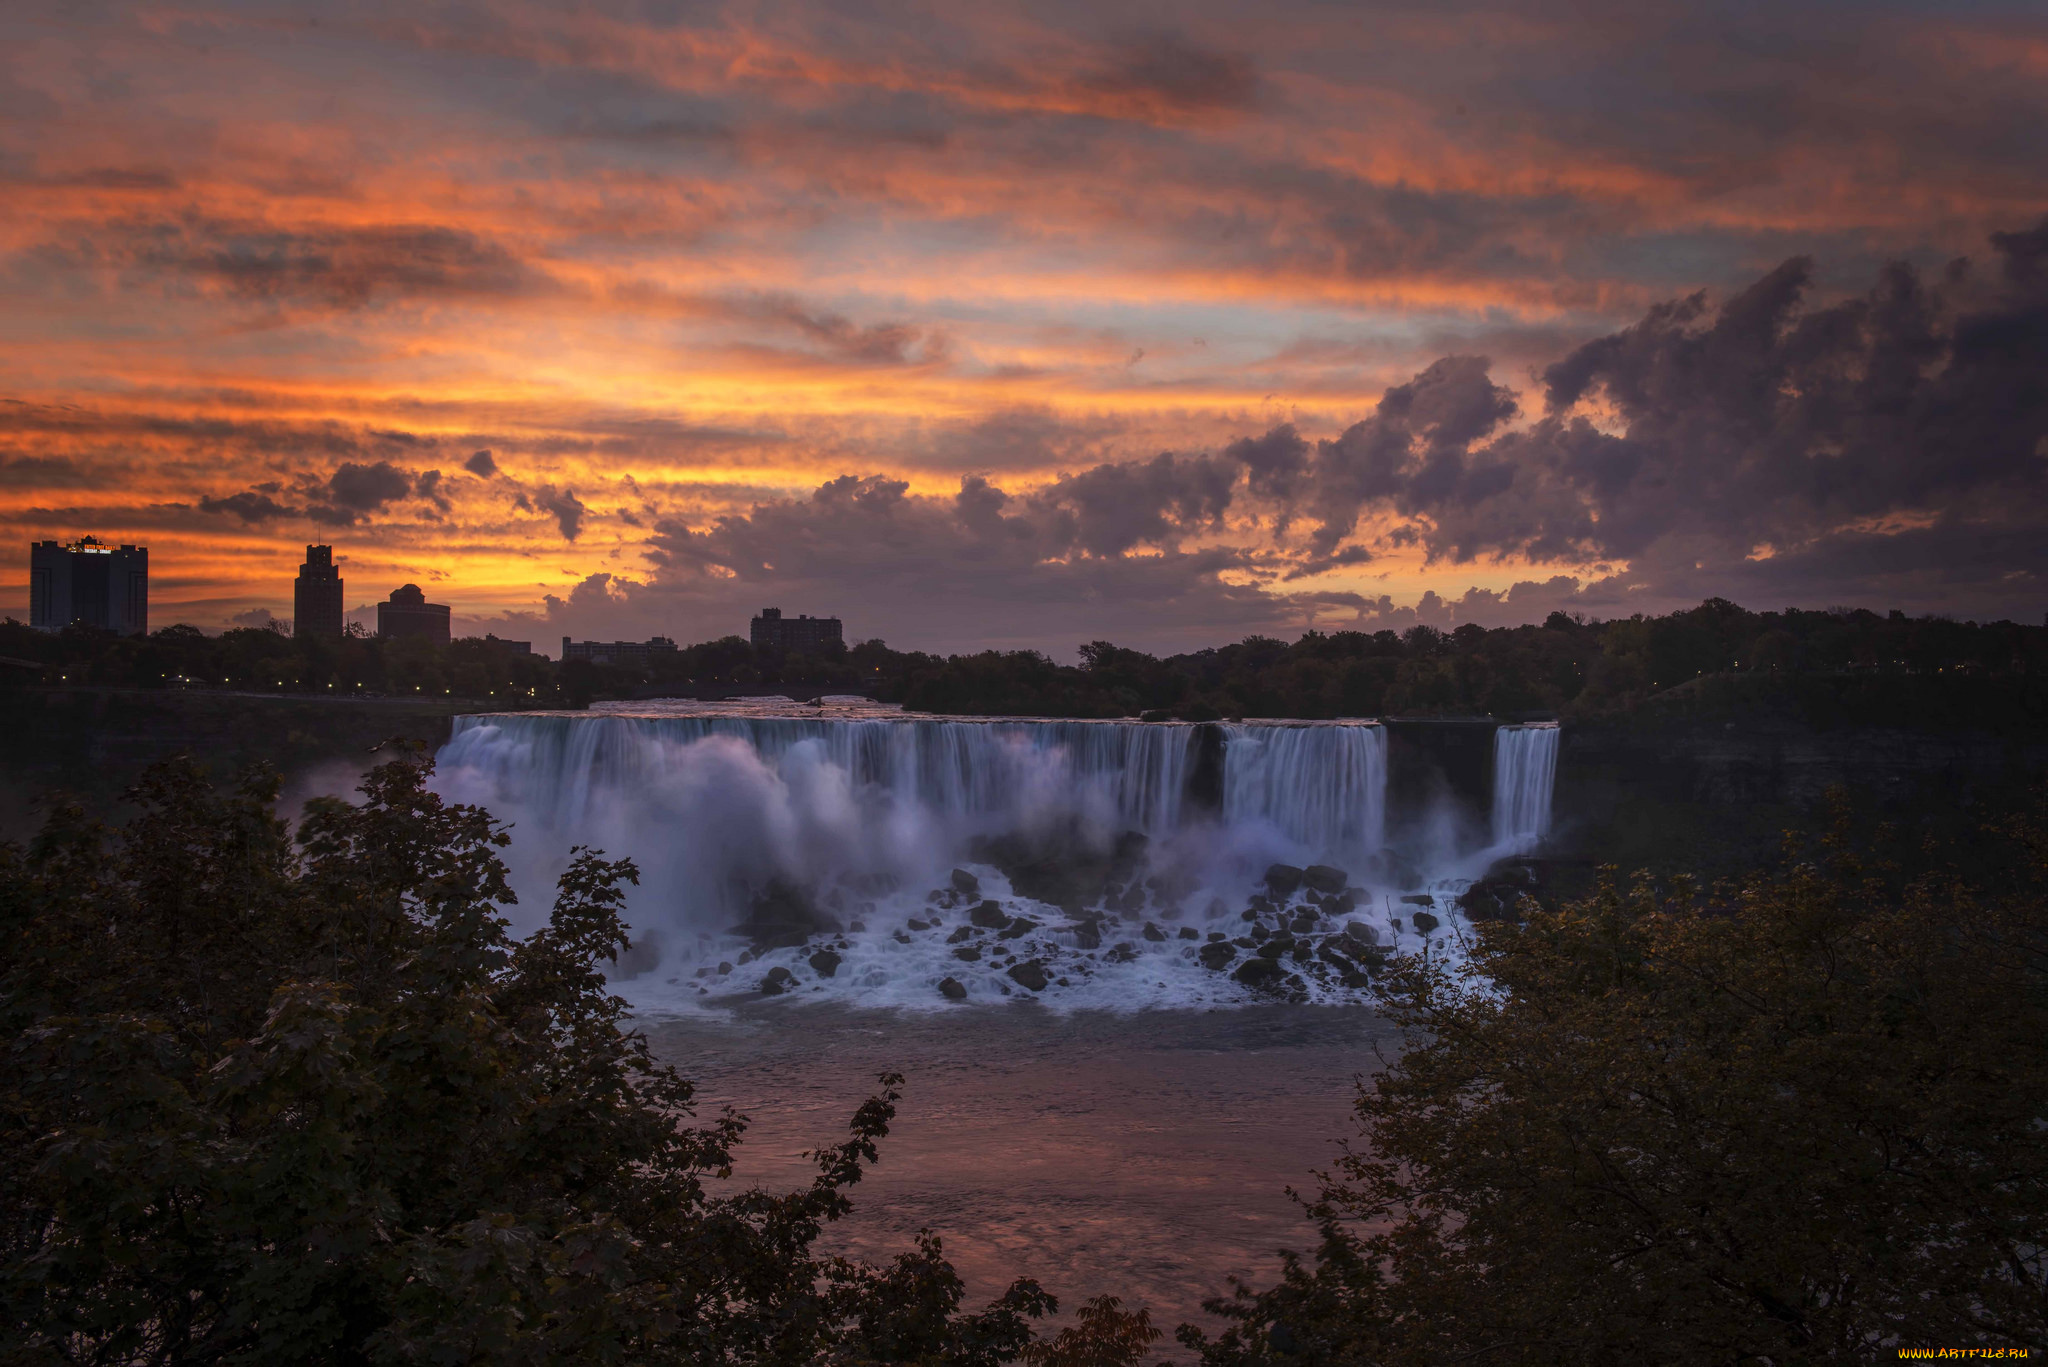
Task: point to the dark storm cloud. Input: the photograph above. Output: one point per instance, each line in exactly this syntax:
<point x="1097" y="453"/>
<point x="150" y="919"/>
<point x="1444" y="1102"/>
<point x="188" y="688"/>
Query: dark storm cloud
<point x="1766" y="446"/>
<point x="253" y="508"/>
<point x="562" y="505"/>
<point x="481" y="464"/>
<point x="334" y="267"/>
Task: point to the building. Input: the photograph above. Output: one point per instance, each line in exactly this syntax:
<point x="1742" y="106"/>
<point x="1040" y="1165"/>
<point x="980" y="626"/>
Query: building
<point x="408" y="613"/>
<point x="803" y="634"/>
<point x="90" y="583"/>
<point x="316" y="597"/>
<point x="509" y="647"/>
<point x="617" y="652"/>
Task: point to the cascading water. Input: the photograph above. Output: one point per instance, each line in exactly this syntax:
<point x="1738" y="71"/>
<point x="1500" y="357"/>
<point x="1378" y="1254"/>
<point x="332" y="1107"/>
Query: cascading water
<point x="1524" y="773"/>
<point x="1323" y="787"/>
<point x="1121" y="855"/>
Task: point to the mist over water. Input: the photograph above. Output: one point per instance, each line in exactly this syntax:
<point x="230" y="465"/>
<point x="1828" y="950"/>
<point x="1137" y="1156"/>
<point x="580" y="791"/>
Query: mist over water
<point x="859" y="815"/>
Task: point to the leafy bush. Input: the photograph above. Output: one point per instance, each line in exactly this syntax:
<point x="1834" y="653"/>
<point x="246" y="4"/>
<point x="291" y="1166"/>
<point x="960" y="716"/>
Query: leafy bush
<point x="1798" y="1121"/>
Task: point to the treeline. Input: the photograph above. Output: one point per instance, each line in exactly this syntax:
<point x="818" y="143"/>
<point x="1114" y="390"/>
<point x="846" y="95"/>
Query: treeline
<point x="1566" y="666"/>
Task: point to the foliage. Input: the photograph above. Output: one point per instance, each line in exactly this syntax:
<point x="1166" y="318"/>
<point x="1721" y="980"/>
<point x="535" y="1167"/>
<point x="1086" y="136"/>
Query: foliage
<point x="1563" y="666"/>
<point x="275" y="1098"/>
<point x="1796" y="1121"/>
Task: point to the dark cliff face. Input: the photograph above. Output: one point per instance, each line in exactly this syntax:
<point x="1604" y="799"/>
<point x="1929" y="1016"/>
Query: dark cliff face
<point x="1710" y="778"/>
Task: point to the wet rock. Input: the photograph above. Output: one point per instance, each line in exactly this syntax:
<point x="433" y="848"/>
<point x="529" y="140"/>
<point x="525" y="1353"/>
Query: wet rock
<point x="1216" y="954"/>
<point x="1215" y="936"/>
<point x="1088" y="934"/>
<point x="1259" y="904"/>
<point x="1273" y="949"/>
<point x="1064" y="867"/>
<point x="858" y="926"/>
<point x="1305" y="921"/>
<point x="1261" y="973"/>
<point x="1031" y="974"/>
<point x="1153" y="933"/>
<point x="916" y="924"/>
<point x="783" y="916"/>
<point x="989" y="916"/>
<point x="1342" y="905"/>
<point x="777" y="979"/>
<point x="825" y="963"/>
<point x="746" y="956"/>
<point x="1331" y="953"/>
<point x="1190" y="933"/>
<point x="899" y="937"/>
<point x="1258" y="934"/>
<point x="1245" y="942"/>
<point x="1418" y="899"/>
<point x="1018" y="928"/>
<point x="952" y="989"/>
<point x="1356" y="980"/>
<point x="1303" y="952"/>
<point x="968" y="954"/>
<point x="723" y="969"/>
<point x="1122" y="953"/>
<point x="1358" y="932"/>
<point x="1394" y="921"/>
<point x="960" y="933"/>
<point x="1325" y="878"/>
<point x="1425" y="923"/>
<point x="966" y="884"/>
<point x="1283" y="879"/>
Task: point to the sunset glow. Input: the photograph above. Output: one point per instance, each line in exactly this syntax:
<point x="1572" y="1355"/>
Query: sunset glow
<point x="278" y="274"/>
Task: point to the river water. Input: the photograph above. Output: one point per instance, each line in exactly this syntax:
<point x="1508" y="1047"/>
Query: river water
<point x="1146" y="1155"/>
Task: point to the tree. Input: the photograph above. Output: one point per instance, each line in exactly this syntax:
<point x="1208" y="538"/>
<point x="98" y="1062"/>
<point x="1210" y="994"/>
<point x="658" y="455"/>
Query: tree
<point x="1796" y="1121"/>
<point x="272" y="1099"/>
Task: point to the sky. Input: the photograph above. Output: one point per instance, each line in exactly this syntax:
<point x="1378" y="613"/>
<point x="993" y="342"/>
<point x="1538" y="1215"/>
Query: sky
<point x="1021" y="325"/>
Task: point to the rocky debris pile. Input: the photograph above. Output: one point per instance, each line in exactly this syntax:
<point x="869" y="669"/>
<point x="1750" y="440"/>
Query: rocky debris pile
<point x="1297" y="937"/>
<point x="1297" y="932"/>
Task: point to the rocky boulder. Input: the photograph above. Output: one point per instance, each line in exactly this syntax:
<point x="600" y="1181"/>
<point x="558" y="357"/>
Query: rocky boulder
<point x="1283" y="879"/>
<point x="1260" y="973"/>
<point x="1030" y="973"/>
<point x="1217" y="955"/>
<point x="966" y="884"/>
<point x="777" y="980"/>
<point x="989" y="916"/>
<point x="1425" y="923"/>
<point x="1325" y="879"/>
<point x="952" y="989"/>
<point x="825" y="963"/>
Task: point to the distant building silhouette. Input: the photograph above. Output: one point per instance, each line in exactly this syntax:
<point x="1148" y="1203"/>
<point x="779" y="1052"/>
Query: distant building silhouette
<point x="802" y="634"/>
<point x="91" y="583"/>
<point x="509" y="647"/>
<point x="408" y="613"/>
<point x="316" y="596"/>
<point x="617" y="652"/>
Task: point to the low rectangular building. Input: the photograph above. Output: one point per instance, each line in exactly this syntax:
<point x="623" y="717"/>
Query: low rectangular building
<point x="617" y="652"/>
<point x="89" y="583"/>
<point x="801" y="635"/>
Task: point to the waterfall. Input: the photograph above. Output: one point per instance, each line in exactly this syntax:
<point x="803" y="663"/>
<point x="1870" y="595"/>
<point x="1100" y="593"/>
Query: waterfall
<point x="1323" y="787"/>
<point x="1524" y="772"/>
